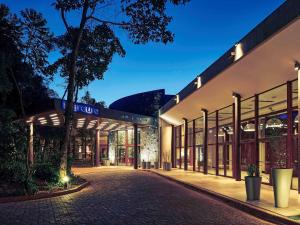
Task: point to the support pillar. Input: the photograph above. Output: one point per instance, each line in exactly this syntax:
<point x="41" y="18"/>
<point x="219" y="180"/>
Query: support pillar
<point x="217" y="143"/>
<point x="173" y="149"/>
<point x="97" y="152"/>
<point x="298" y="147"/>
<point x="205" y="130"/>
<point x="256" y="127"/>
<point x="237" y="135"/>
<point x="135" y="142"/>
<point x="180" y="144"/>
<point x="185" y="144"/>
<point x="290" y="145"/>
<point x="30" y="144"/>
<point x="194" y="145"/>
<point x="126" y="147"/>
<point x="160" y="147"/>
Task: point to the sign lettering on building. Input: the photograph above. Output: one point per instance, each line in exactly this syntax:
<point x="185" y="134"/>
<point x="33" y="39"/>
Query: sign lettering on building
<point x="83" y="108"/>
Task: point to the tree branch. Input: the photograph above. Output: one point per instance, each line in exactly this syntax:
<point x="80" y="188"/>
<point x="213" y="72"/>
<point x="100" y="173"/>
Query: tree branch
<point x="123" y="24"/>
<point x="62" y="13"/>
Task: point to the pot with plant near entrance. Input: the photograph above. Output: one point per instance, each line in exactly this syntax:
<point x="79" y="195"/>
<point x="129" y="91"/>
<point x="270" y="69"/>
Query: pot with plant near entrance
<point x="143" y="165"/>
<point x="148" y="165"/>
<point x="166" y="163"/>
<point x="167" y="166"/>
<point x="281" y="173"/>
<point x="253" y="183"/>
<point x="282" y="179"/>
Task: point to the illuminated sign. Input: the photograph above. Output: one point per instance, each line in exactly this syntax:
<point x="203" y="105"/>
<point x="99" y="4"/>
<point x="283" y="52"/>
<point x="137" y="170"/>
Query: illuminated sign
<point x="83" y="108"/>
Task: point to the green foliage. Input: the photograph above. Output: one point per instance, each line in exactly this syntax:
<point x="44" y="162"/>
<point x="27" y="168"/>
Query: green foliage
<point x="46" y="172"/>
<point x="13" y="152"/>
<point x="88" y="99"/>
<point x="252" y="170"/>
<point x="25" y="43"/>
<point x="13" y="158"/>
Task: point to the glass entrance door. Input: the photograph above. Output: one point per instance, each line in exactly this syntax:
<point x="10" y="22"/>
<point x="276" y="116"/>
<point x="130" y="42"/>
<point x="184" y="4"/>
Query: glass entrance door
<point x="121" y="156"/>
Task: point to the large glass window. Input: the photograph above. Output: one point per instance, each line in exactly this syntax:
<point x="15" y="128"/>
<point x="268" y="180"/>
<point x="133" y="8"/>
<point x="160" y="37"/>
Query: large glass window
<point x="125" y="146"/>
<point x="211" y="141"/>
<point x="178" y="146"/>
<point x="273" y="130"/>
<point x="225" y="138"/>
<point x="248" y="155"/>
<point x="190" y="145"/>
<point x="199" y="144"/>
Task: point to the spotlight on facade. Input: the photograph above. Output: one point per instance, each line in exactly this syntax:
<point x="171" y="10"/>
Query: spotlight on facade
<point x="66" y="179"/>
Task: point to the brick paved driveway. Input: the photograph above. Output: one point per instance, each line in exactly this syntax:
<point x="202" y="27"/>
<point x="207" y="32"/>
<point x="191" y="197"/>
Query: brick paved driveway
<point x="123" y="196"/>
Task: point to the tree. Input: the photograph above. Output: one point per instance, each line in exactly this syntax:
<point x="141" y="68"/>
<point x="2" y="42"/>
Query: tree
<point x="87" y="99"/>
<point x="25" y="45"/>
<point x="87" y="47"/>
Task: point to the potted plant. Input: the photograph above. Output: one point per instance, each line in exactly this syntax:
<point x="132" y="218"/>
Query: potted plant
<point x="166" y="163"/>
<point x="282" y="179"/>
<point x="156" y="163"/>
<point x="281" y="175"/>
<point x="148" y="165"/>
<point x="253" y="183"/>
<point x="143" y="165"/>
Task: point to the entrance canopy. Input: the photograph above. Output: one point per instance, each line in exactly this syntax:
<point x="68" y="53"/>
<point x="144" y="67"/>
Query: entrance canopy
<point x="90" y="117"/>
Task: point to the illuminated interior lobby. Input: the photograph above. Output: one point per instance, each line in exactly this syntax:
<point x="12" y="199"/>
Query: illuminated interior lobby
<point x="243" y="109"/>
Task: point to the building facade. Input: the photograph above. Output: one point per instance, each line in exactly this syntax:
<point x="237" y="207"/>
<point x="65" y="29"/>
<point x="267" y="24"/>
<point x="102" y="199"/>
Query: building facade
<point x="243" y="109"/>
<point x="118" y="135"/>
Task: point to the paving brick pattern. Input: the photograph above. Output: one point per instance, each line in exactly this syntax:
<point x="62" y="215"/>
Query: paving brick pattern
<point x="125" y="197"/>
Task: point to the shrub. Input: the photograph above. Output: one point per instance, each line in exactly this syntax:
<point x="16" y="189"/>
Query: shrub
<point x="47" y="172"/>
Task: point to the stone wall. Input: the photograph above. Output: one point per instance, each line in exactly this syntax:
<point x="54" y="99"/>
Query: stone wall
<point x="149" y="144"/>
<point x="112" y="147"/>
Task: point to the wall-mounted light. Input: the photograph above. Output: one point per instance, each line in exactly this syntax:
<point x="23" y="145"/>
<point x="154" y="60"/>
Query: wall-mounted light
<point x="199" y="82"/>
<point x="297" y="66"/>
<point x="177" y="99"/>
<point x="238" y="51"/>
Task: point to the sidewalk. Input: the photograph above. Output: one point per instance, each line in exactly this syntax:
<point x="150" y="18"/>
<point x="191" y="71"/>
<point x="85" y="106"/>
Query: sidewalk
<point x="234" y="191"/>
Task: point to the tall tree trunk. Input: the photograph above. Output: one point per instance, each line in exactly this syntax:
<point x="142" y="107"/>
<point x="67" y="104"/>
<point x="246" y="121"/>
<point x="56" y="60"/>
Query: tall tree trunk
<point x="70" y="96"/>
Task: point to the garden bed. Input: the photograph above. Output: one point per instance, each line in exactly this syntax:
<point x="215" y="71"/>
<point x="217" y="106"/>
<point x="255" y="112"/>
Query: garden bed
<point x="44" y="191"/>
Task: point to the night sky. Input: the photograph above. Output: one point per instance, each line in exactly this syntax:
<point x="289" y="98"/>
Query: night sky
<point x="204" y="30"/>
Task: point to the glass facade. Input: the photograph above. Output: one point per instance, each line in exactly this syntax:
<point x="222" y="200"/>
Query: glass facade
<point x="268" y="135"/>
<point x="125" y="147"/>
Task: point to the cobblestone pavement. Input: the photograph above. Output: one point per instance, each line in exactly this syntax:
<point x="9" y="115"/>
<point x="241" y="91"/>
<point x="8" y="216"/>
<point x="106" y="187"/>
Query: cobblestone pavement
<point x="122" y="196"/>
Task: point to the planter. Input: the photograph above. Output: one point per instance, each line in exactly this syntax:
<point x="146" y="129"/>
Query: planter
<point x="106" y="162"/>
<point x="282" y="179"/>
<point x="143" y="165"/>
<point x="253" y="185"/>
<point x="156" y="165"/>
<point x="148" y="165"/>
<point x="167" y="166"/>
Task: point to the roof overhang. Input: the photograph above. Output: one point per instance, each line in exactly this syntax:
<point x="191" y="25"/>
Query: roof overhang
<point x="269" y="64"/>
<point x="90" y="117"/>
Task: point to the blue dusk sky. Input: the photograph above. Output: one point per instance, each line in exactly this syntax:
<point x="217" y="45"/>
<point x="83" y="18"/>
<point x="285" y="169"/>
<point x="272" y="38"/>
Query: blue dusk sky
<point x="204" y="30"/>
